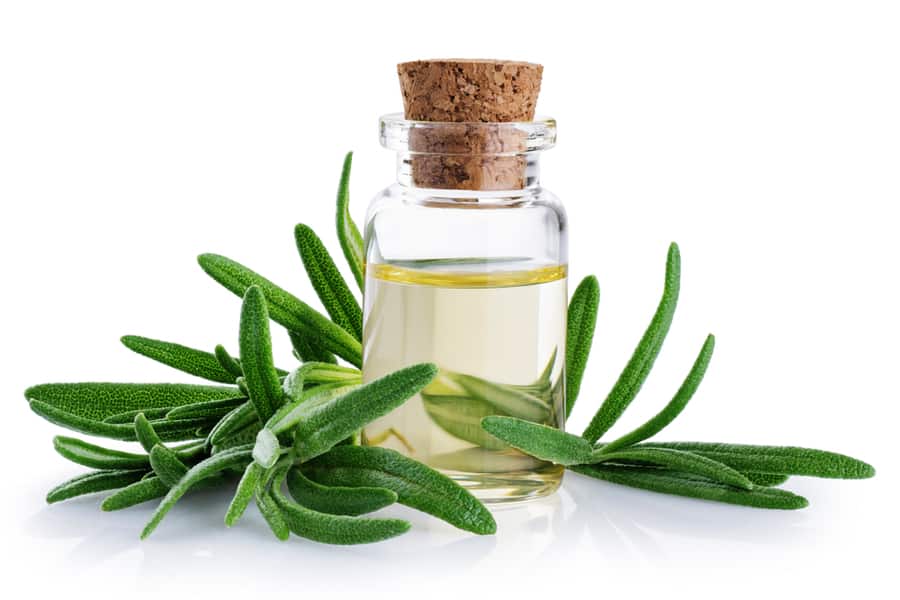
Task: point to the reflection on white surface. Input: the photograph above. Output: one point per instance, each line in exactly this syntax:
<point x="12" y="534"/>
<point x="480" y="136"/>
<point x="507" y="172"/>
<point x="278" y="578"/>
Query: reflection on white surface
<point x="608" y="524"/>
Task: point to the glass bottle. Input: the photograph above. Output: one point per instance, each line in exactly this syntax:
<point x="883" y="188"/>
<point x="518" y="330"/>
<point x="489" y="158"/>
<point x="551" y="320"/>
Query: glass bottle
<point x="466" y="258"/>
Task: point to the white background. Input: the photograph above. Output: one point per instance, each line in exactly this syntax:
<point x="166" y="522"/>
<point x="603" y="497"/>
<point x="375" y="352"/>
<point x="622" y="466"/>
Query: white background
<point x="763" y="136"/>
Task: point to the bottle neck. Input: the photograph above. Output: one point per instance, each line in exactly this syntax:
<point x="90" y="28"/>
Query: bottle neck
<point x="467" y="156"/>
<point x="469" y="172"/>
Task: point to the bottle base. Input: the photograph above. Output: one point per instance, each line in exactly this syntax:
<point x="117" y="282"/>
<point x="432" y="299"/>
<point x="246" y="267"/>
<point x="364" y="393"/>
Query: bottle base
<point x="511" y="486"/>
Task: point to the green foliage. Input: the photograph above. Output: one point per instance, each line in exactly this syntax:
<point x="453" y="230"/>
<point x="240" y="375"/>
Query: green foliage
<point x="96" y="401"/>
<point x="195" y="362"/>
<point x="581" y="320"/>
<point x="668" y="483"/>
<point x="284" y="308"/>
<point x="415" y="484"/>
<point x="256" y="355"/>
<point x="784" y="460"/>
<point x="93" y="482"/>
<point x="341" y="416"/>
<point x="330" y="286"/>
<point x="540" y="441"/>
<point x="337" y="500"/>
<point x="632" y="377"/>
<point x="97" y="457"/>
<point x="348" y="233"/>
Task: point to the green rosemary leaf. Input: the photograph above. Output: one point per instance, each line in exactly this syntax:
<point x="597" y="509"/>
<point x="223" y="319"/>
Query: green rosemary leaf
<point x="145" y="433"/>
<point x="244" y="494"/>
<point x="674" y="407"/>
<point x="271" y="512"/>
<point x="582" y="318"/>
<point x="191" y="361"/>
<point x="504" y="398"/>
<point x="240" y="437"/>
<point x="268" y="507"/>
<point x="540" y="441"/>
<point x="182" y="429"/>
<point x="679" y="460"/>
<point x="543" y="380"/>
<point x="228" y="362"/>
<point x="167" y="466"/>
<point x="97" y="457"/>
<point x="341" y="416"/>
<point x="767" y="479"/>
<point x="337" y="500"/>
<point x="348" y="233"/>
<point x="336" y="529"/>
<point x="209" y="409"/>
<point x="284" y="308"/>
<point x="336" y="297"/>
<point x="632" y="377"/>
<point x="669" y="483"/>
<point x="152" y="414"/>
<point x="460" y="416"/>
<point x="314" y="373"/>
<point x="290" y="414"/>
<point x="785" y="460"/>
<point x="96" y="401"/>
<point x="307" y="349"/>
<point x="136" y="493"/>
<point x="238" y="419"/>
<point x="415" y="484"/>
<point x="213" y="465"/>
<point x="256" y="355"/>
<point x="90" y="483"/>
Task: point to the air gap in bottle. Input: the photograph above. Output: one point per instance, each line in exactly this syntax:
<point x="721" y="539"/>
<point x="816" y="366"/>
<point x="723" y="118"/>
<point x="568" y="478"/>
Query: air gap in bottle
<point x="466" y="267"/>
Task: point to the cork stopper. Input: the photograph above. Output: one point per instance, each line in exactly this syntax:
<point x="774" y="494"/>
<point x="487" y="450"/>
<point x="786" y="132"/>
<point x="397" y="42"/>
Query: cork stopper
<point x="466" y="96"/>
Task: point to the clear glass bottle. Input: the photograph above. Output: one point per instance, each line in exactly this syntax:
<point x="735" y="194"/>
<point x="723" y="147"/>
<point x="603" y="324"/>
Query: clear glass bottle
<point x="466" y="258"/>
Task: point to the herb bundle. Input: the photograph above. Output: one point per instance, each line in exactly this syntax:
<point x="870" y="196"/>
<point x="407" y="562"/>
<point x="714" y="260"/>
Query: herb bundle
<point x="289" y="438"/>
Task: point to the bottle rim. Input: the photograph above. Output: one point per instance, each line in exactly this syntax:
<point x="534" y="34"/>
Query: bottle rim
<point x="530" y="136"/>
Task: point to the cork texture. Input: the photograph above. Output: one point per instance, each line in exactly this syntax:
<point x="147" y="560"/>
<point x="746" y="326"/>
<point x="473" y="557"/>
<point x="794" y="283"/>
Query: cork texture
<point x="458" y="90"/>
<point x="466" y="96"/>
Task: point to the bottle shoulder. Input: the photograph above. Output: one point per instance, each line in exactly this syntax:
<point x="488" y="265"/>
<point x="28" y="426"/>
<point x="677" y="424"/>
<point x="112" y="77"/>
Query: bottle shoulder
<point x="401" y="199"/>
<point x="404" y="224"/>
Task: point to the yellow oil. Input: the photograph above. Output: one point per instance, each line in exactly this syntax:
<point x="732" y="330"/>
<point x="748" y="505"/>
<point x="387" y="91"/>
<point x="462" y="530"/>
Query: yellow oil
<point x="498" y="337"/>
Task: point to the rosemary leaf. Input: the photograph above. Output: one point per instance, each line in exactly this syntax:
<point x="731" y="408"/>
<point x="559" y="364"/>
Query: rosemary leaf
<point x="97" y="457"/>
<point x="337" y="500"/>
<point x="228" y="362"/>
<point x="136" y="493"/>
<point x="416" y="485"/>
<point x="340" y="417"/>
<point x="348" y="233"/>
<point x="785" y="460"/>
<point x="504" y="398"/>
<point x="330" y="286"/>
<point x="632" y="377"/>
<point x="244" y="493"/>
<point x="213" y="465"/>
<point x="679" y="460"/>
<point x="191" y="361"/>
<point x="284" y="308"/>
<point x="540" y="441"/>
<point x="90" y="483"/>
<point x="673" y="408"/>
<point x="307" y="349"/>
<point x="96" y="401"/>
<point x="582" y="318"/>
<point x="669" y="483"/>
<point x="256" y="355"/>
<point x="167" y="466"/>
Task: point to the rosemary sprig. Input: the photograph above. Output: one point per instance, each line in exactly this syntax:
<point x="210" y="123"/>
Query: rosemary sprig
<point x="736" y="474"/>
